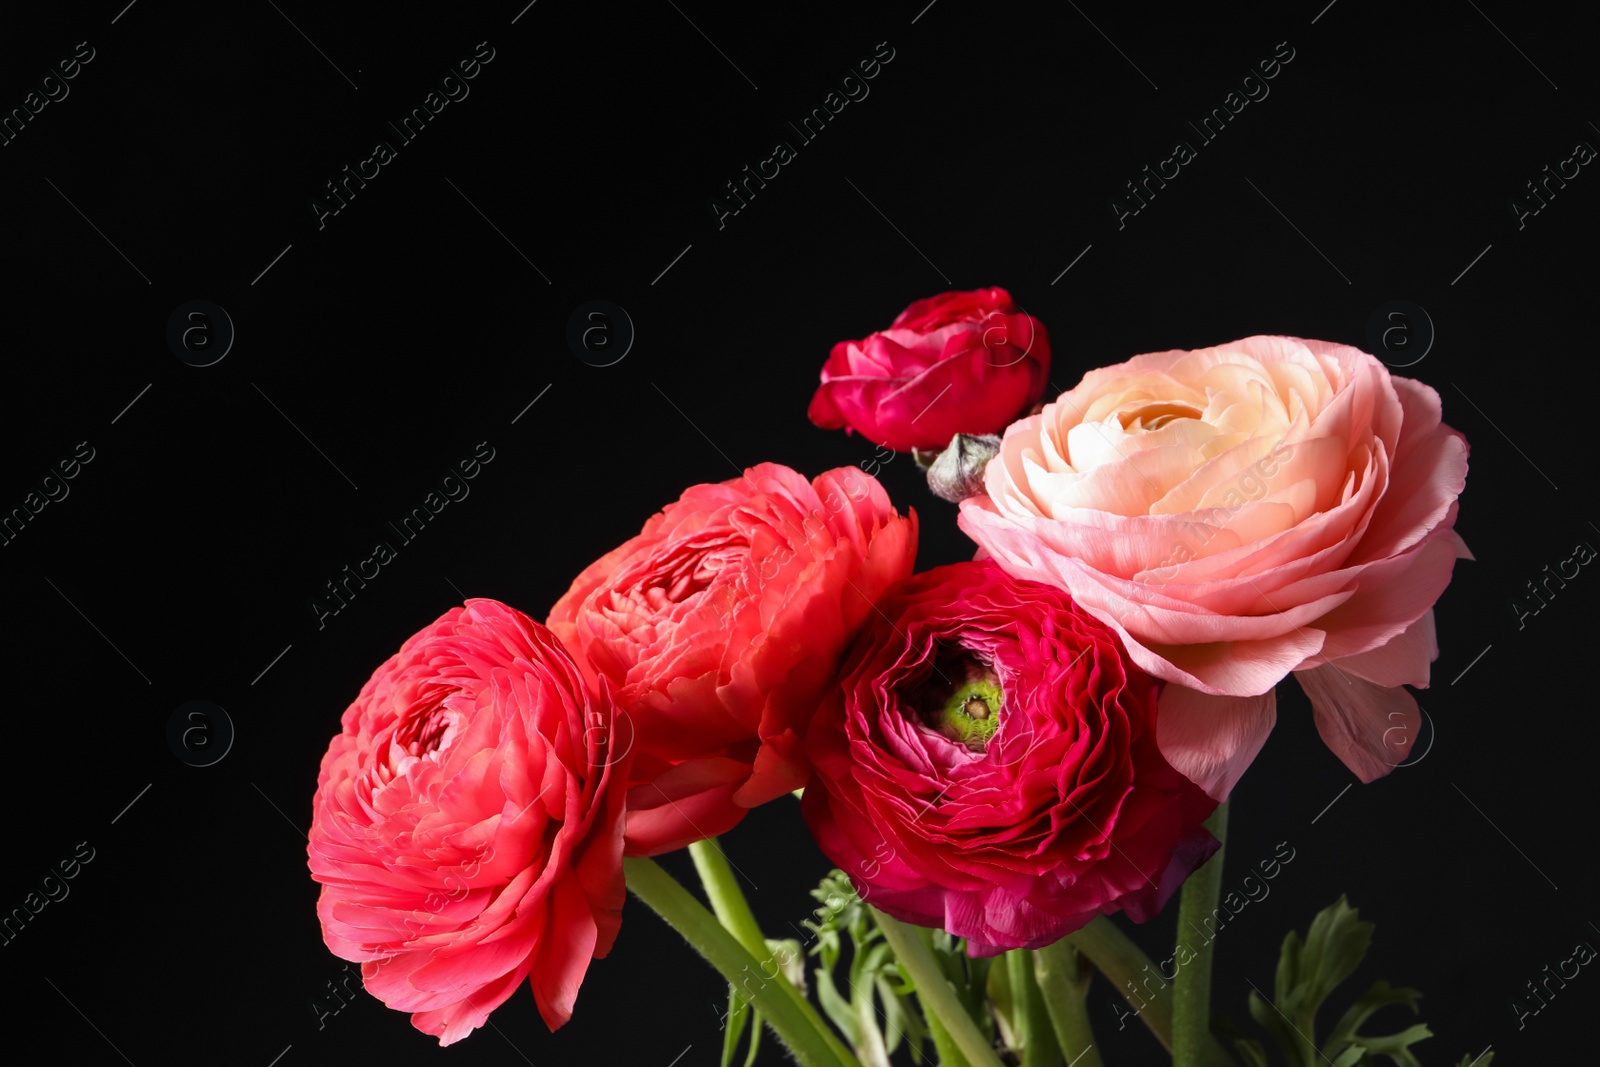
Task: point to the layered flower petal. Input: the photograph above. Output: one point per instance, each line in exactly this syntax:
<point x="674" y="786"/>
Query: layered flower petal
<point x="1370" y="727"/>
<point x="1237" y="513"/>
<point x="467" y="826"/>
<point x="960" y="362"/>
<point x="988" y="764"/>
<point x="720" y="625"/>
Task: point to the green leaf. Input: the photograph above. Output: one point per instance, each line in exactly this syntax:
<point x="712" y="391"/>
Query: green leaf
<point x="1484" y="1061"/>
<point x="1308" y="972"/>
<point x="1397" y="1047"/>
<point x="791" y="961"/>
<point x="1334" y="948"/>
<point x="1381" y="995"/>
<point x="969" y="976"/>
<point x="1251" y="1052"/>
<point x="738" y="1017"/>
<point x="903" y="1019"/>
<point x="1350" y="1057"/>
<point x="835" y="1007"/>
<point x="1283" y="1035"/>
<point x="755" y="1039"/>
<point x="1394" y="1046"/>
<point x="866" y="965"/>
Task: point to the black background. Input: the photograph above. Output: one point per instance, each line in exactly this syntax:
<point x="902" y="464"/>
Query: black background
<point x="382" y="347"/>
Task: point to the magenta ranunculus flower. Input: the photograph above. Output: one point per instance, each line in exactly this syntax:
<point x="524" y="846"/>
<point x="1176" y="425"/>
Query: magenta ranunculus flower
<point x="988" y="765"/>
<point x="1237" y="513"/>
<point x="960" y="362"/>
<point x="467" y="828"/>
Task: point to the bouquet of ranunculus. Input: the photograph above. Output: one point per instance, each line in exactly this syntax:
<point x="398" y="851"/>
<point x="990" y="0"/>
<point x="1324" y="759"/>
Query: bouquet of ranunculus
<point x="995" y="754"/>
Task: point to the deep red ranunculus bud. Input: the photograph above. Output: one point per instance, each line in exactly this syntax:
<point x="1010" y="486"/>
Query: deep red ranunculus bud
<point x="988" y="765"/>
<point x="960" y="362"/>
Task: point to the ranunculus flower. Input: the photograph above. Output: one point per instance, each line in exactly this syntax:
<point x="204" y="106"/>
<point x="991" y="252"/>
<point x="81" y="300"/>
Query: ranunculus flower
<point x="988" y="765"/>
<point x="467" y="828"/>
<point x="962" y="362"/>
<point x="721" y="624"/>
<point x="1236" y="513"/>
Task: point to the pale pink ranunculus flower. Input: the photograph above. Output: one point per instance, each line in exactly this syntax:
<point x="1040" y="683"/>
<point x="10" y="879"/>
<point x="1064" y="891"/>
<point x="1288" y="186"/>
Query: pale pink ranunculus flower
<point x="1237" y="513"/>
<point x="467" y="827"/>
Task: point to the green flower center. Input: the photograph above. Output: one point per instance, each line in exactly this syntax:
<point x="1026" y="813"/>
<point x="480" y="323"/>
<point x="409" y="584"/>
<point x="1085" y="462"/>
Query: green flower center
<point x="970" y="715"/>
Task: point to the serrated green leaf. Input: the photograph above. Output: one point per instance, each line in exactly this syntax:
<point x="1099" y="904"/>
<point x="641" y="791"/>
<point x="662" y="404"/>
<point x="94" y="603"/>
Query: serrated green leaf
<point x="1251" y="1052"/>
<point x="1283" y="1035"/>
<point x="894" y="1016"/>
<point x="1308" y="972"/>
<point x="1335" y="946"/>
<point x="1393" y="1045"/>
<point x="1381" y="995"/>
<point x="1288" y="975"/>
<point x="1349" y="1057"/>
<point x="835" y="1007"/>
<point x="865" y="967"/>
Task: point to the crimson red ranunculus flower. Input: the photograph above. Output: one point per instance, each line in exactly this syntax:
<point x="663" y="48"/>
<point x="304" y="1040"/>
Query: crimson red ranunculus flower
<point x="988" y="765"/>
<point x="467" y="827"/>
<point x="959" y="362"/>
<point x="721" y="624"/>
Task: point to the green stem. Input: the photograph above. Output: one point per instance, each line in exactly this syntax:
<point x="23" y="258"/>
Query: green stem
<point x="870" y="1049"/>
<point x="937" y="995"/>
<point x="1191" y="997"/>
<point x="796" y="1023"/>
<point x="727" y="899"/>
<point x="1063" y="984"/>
<point x="943" y="1044"/>
<point x="1030" y="1022"/>
<point x="1129" y="970"/>
<point x="733" y="910"/>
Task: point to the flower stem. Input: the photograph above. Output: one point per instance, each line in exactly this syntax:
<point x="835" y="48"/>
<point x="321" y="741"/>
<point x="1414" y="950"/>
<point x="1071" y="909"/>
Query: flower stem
<point x="1191" y="998"/>
<point x="791" y="1016"/>
<point x="943" y="1044"/>
<point x="1063" y="980"/>
<point x="733" y="910"/>
<point x="1126" y="966"/>
<point x="727" y="899"/>
<point x="1030" y="1023"/>
<point x="934" y="990"/>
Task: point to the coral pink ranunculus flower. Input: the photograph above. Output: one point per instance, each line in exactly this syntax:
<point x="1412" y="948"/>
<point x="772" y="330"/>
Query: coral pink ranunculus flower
<point x="960" y="362"/>
<point x="988" y="765"/>
<point x="467" y="828"/>
<point x="1237" y="513"/>
<point x="721" y="624"/>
